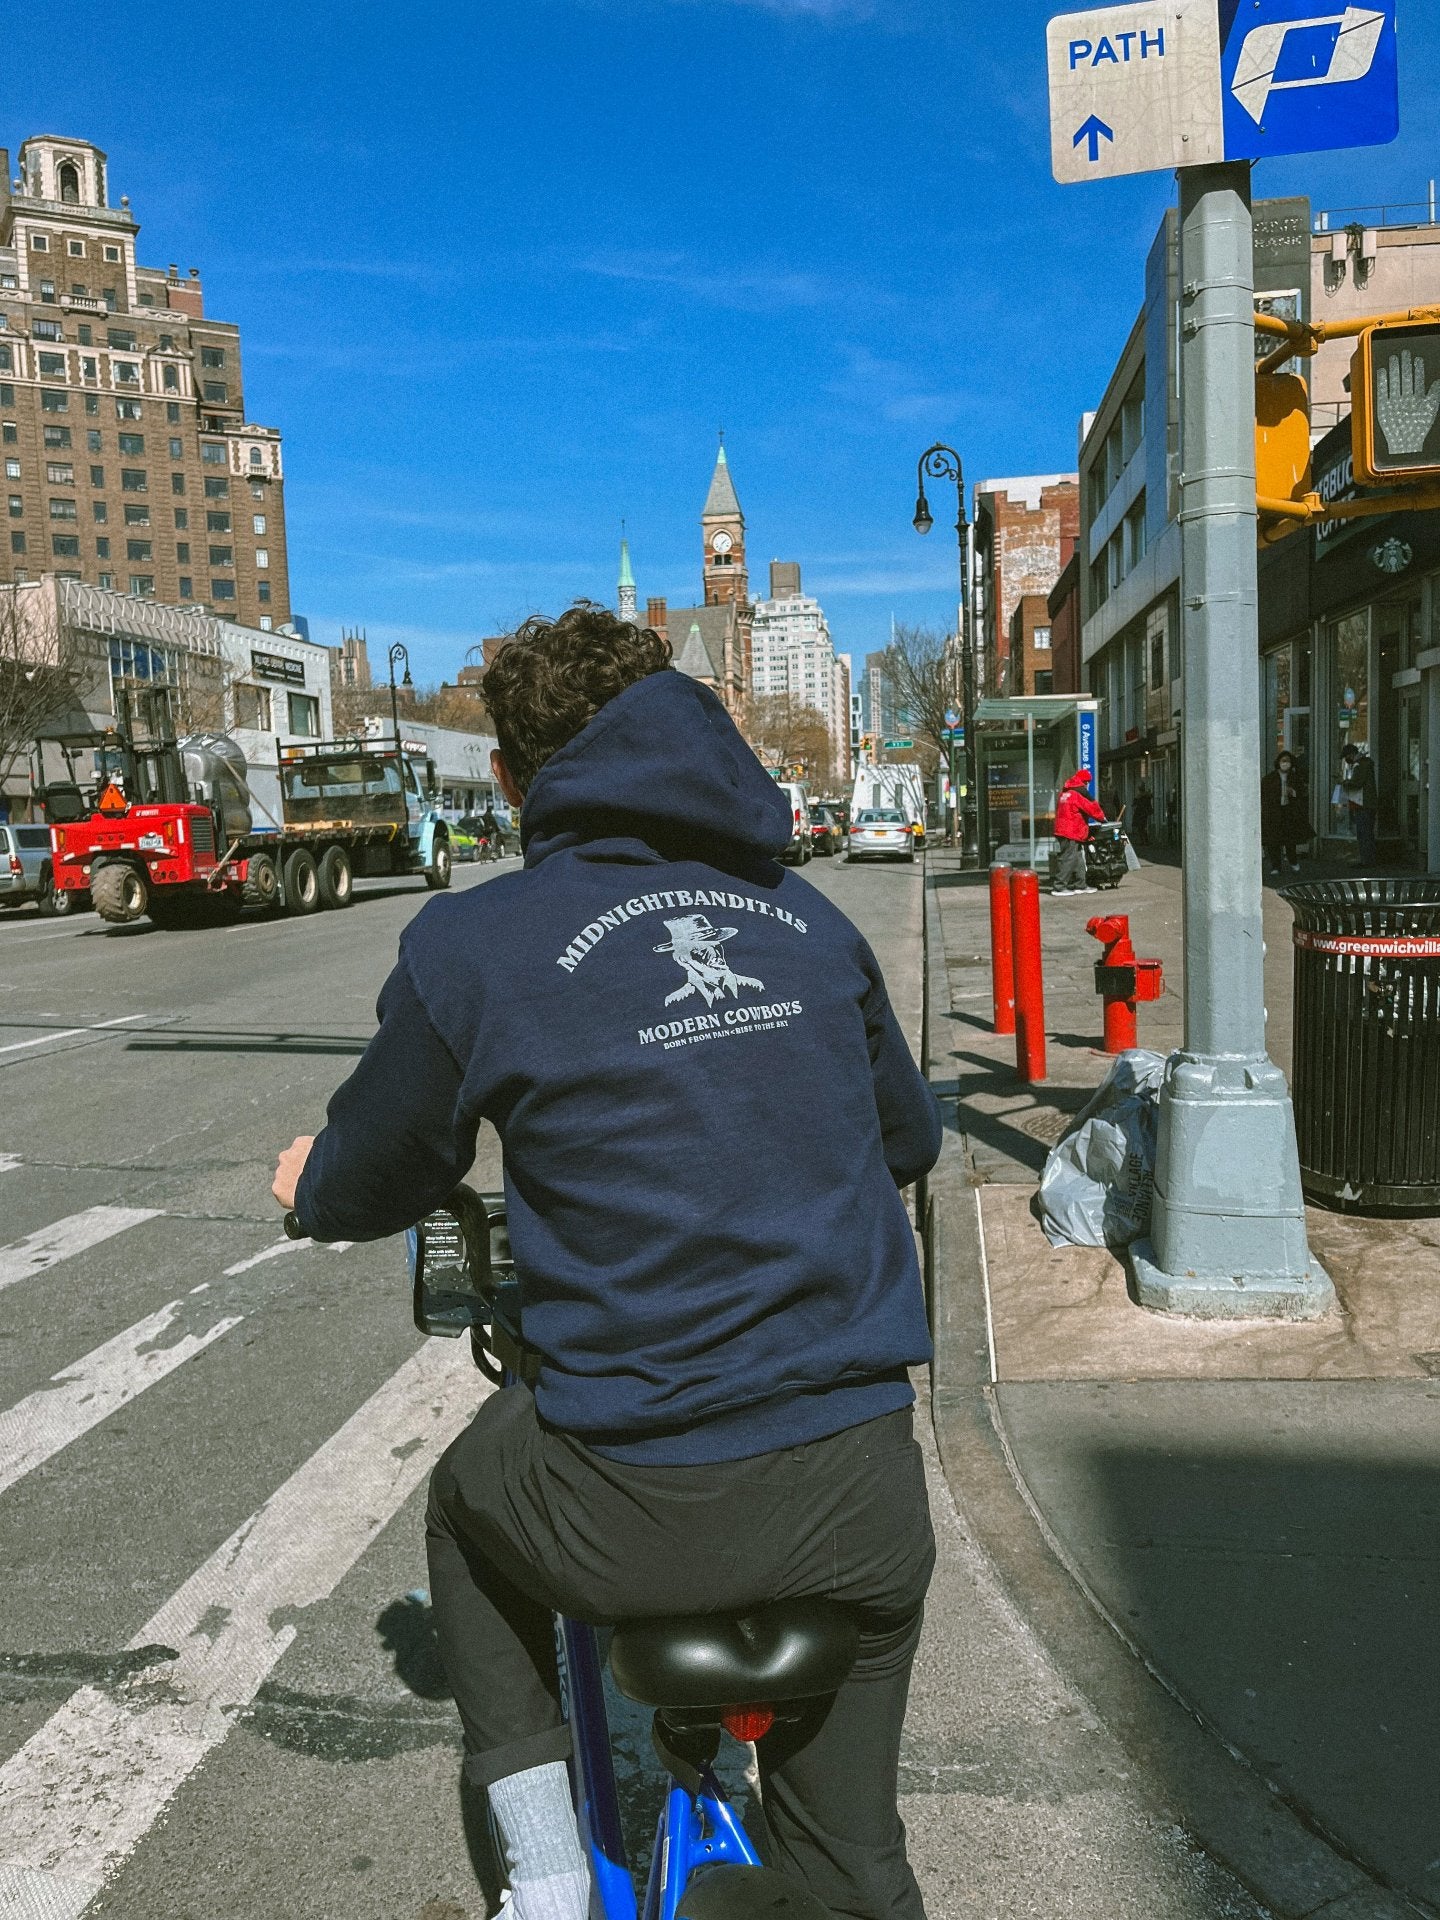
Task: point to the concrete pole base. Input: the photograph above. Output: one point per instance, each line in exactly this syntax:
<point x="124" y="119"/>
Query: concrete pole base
<point x="1227" y="1224"/>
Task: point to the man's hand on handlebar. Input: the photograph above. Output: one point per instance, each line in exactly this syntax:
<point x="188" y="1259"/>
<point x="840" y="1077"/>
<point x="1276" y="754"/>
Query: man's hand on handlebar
<point x="291" y="1166"/>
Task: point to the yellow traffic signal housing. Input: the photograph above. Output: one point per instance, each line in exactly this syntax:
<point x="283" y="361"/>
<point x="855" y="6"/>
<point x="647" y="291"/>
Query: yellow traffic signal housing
<point x="1282" y="436"/>
<point x="1395" y="404"/>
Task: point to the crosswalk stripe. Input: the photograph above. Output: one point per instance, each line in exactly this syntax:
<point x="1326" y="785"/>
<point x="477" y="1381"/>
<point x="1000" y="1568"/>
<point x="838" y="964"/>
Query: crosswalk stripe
<point x="69" y="1033"/>
<point x="89" y="1784"/>
<point x="9" y="1162"/>
<point x="81" y="1396"/>
<point x="52" y="1244"/>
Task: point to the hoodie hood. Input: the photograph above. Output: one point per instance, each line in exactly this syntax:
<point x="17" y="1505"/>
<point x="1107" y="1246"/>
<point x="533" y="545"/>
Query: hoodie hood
<point x="661" y="760"/>
<point x="1079" y="780"/>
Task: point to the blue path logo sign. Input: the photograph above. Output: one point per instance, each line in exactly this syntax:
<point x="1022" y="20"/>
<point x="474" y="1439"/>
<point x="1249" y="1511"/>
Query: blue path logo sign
<point x="1302" y="77"/>
<point x="1153" y="84"/>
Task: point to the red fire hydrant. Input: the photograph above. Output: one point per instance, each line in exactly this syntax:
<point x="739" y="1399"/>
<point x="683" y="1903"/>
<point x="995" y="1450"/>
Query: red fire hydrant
<point x="1121" y="979"/>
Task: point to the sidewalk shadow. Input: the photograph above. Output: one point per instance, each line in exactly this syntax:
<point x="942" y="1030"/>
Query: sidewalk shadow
<point x="997" y="1131"/>
<point x="1289" y="1590"/>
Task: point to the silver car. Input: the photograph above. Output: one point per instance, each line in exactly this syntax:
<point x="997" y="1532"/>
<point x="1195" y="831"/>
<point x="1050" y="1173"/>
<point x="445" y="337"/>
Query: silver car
<point x="881" y="833"/>
<point x="26" y="871"/>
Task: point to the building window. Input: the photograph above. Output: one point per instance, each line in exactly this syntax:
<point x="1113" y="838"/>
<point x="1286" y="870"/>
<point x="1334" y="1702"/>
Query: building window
<point x="99" y="512"/>
<point x="257" y="490"/>
<point x="60" y="473"/>
<point x="187" y="587"/>
<point x="48" y="330"/>
<point x="17" y="543"/>
<point x="212" y="453"/>
<point x="112" y="253"/>
<point x="304" y="714"/>
<point x="256" y="457"/>
<point x="62" y="510"/>
<point x="57" y="437"/>
<point x="139" y="550"/>
<point x="216" y="489"/>
<point x="53" y="402"/>
<point x="69" y="182"/>
<point x="252" y="708"/>
<point x="107" y="580"/>
<point x="177" y="483"/>
<point x="120" y="337"/>
<point x="222" y="556"/>
<point x="39" y="243"/>
<point x="182" y="518"/>
<point x="102" y="547"/>
<point x="142" y="583"/>
<point x="52" y="366"/>
<point x="75" y="249"/>
<point x="177" y="450"/>
<point x="1044" y="680"/>
<point x="92" y="403"/>
<point x="10" y="433"/>
<point x="134" y="480"/>
<point x="108" y="296"/>
<point x="97" y="476"/>
<point x="262" y="556"/>
<point x="257" y="521"/>
<point x="66" y="546"/>
<point x="265" y="621"/>
<point x="7" y="394"/>
<point x="212" y="356"/>
<point x="126" y="373"/>
<point x="12" y="469"/>
<point x="172" y="412"/>
<point x="137" y="516"/>
<point x="47" y="292"/>
<point x="17" y="506"/>
<point x="82" y="334"/>
<point x="215" y="393"/>
<point x="182" y="552"/>
<point x="9" y="280"/>
<point x="89" y="367"/>
<point x="222" y="589"/>
<point x="128" y="410"/>
<point x="170" y="379"/>
<point x="1040" y="639"/>
<point x="94" y="442"/>
<point x="263" y="589"/>
<point x="132" y="443"/>
<point x="217" y="522"/>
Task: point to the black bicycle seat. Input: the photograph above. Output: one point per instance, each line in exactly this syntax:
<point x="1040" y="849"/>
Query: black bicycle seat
<point x="790" y="1650"/>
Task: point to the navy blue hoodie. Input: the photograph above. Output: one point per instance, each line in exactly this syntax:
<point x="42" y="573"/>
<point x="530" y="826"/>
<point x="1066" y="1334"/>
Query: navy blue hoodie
<point x="706" y="1105"/>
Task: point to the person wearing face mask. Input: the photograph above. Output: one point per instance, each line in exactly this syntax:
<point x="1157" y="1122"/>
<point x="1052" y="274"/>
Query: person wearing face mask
<point x="1284" y="816"/>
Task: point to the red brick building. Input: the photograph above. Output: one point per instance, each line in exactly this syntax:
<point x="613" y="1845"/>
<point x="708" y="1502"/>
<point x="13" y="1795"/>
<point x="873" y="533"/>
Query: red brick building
<point x="1064" y="606"/>
<point x="1025" y="531"/>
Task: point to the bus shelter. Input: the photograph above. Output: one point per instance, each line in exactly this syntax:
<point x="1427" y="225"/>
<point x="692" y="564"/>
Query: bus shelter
<point x="1025" y="750"/>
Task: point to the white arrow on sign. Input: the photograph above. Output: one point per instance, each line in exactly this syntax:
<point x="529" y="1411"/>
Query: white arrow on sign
<point x="1351" y="58"/>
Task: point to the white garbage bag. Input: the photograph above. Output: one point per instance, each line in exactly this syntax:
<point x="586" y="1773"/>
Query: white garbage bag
<point x="1095" y="1190"/>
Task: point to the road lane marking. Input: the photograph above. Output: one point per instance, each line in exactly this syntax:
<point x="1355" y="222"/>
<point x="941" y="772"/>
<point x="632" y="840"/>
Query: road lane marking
<point x="89" y="1784"/>
<point x="68" y="1033"/>
<point x="9" y="1162"/>
<point x="50" y="1245"/>
<point x="79" y="1397"/>
<point x="266" y="1253"/>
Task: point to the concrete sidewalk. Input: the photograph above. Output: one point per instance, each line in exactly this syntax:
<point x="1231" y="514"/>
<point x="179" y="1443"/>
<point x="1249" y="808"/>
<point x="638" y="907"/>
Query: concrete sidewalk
<point x="1225" y="1534"/>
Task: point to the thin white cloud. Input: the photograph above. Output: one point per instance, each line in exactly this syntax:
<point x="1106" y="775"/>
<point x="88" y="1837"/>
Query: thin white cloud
<point x="751" y="289"/>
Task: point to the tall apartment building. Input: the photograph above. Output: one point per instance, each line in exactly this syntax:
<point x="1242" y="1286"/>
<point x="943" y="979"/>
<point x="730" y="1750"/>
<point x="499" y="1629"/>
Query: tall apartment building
<point x="792" y="652"/>
<point x="129" y="463"/>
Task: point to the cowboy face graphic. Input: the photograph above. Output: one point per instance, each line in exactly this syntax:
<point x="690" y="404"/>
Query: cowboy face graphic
<point x="698" y="949"/>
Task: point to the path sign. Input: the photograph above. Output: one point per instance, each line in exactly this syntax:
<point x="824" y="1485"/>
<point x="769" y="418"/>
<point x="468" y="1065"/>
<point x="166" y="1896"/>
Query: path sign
<point x="1134" y="88"/>
<point x="1151" y="86"/>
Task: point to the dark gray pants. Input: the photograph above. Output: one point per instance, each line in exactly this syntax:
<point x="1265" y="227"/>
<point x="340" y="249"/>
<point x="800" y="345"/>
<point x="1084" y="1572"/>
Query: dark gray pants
<point x="524" y="1522"/>
<point x="1070" y="865"/>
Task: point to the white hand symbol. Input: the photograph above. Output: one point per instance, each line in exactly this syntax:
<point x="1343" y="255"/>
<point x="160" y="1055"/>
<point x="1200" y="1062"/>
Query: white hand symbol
<point x="1405" y="409"/>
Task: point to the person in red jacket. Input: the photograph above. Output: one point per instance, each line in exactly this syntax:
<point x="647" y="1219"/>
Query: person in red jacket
<point x="1074" y="811"/>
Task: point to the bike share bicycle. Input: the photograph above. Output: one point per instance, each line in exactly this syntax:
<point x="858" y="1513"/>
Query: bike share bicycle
<point x="701" y="1675"/>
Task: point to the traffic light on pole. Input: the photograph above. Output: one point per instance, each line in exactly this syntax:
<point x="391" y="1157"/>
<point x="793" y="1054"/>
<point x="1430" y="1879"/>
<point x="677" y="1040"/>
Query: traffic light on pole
<point x="1395" y="404"/>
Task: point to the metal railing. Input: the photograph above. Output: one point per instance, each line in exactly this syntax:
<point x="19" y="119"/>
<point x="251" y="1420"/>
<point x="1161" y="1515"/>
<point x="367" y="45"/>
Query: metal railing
<point x="1400" y="213"/>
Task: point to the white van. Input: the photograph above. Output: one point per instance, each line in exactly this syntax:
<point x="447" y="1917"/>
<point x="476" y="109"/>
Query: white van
<point x="799" y="849"/>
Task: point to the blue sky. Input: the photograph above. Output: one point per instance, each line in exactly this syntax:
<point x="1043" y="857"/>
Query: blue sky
<point x="502" y="271"/>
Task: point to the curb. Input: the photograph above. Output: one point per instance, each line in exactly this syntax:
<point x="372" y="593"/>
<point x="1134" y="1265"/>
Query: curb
<point x="1267" y="1843"/>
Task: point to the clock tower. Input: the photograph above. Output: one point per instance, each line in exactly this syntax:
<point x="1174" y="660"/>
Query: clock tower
<point x="722" y="526"/>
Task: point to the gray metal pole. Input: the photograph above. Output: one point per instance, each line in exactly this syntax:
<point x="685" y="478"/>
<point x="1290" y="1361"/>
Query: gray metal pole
<point x="1227" y="1233"/>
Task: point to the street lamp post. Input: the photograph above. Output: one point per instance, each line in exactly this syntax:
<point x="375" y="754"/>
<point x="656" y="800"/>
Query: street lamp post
<point x="398" y="653"/>
<point x="943" y="463"/>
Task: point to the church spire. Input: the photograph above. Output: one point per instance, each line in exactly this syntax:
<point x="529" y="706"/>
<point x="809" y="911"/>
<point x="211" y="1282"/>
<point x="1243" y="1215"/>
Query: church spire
<point x="720" y="502"/>
<point x="627" y="603"/>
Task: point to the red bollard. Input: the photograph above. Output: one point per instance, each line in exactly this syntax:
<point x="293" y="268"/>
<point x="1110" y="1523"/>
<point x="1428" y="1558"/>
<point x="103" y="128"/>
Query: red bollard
<point x="1002" y="949"/>
<point x="1029" y="976"/>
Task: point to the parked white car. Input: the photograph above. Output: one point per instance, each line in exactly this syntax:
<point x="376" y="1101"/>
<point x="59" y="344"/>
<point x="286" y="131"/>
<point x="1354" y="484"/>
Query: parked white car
<point x="800" y="848"/>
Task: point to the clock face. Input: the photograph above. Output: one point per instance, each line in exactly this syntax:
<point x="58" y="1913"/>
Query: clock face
<point x="722" y="543"/>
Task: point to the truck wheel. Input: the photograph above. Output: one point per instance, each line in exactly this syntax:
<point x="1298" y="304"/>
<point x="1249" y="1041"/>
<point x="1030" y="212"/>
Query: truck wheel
<point x="438" y="876"/>
<point x="302" y="882"/>
<point x="337" y="889"/>
<point x="120" y="894"/>
<point x="262" y="882"/>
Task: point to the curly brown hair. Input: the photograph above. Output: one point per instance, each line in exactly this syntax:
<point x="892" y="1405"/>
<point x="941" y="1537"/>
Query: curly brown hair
<point x="552" y="677"/>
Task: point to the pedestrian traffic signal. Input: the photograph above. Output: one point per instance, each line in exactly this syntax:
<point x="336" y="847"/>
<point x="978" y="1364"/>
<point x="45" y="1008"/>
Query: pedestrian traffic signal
<point x="1395" y="404"/>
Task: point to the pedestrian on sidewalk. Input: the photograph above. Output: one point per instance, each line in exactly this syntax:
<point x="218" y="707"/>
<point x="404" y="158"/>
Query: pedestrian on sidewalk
<point x="1074" y="811"/>
<point x="1357" y="777"/>
<point x="1284" y="815"/>
<point x="1141" y="814"/>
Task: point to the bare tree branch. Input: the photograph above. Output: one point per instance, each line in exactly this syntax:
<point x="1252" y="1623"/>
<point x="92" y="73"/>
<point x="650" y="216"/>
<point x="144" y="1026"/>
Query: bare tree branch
<point x="923" y="668"/>
<point x="44" y="671"/>
<point x="785" y="732"/>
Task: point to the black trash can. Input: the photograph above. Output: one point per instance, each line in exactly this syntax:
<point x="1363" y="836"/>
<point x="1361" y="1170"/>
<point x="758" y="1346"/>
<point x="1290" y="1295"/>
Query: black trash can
<point x="1366" y="1064"/>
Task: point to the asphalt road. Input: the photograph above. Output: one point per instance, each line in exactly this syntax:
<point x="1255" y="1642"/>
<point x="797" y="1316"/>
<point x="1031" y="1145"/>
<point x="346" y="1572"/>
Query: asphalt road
<point x="219" y="1694"/>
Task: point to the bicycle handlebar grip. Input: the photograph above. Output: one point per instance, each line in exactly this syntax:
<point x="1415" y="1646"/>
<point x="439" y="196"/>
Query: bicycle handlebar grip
<point x="293" y="1228"/>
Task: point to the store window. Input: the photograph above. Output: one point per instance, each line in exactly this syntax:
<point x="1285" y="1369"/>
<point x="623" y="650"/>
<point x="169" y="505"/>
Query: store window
<point x="304" y="714"/>
<point x="1349" y="642"/>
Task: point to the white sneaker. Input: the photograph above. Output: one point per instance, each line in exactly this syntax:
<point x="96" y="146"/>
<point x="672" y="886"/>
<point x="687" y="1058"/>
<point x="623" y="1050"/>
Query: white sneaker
<point x="1087" y="889"/>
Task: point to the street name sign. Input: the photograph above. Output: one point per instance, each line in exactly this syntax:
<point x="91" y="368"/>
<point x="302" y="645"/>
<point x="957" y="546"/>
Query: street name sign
<point x="1186" y="83"/>
<point x="897" y="746"/>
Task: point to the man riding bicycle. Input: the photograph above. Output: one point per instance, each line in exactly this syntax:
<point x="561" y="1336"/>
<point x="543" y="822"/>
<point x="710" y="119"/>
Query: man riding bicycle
<point x="724" y="1295"/>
